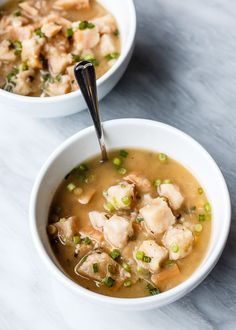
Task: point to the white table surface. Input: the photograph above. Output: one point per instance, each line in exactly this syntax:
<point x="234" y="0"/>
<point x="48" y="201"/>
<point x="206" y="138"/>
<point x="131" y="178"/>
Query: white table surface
<point x="183" y="73"/>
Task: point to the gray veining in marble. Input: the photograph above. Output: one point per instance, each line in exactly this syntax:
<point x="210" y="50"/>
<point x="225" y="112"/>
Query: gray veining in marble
<point x="183" y="73"/>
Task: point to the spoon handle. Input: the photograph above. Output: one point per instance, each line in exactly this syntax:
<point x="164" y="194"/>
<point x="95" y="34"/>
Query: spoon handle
<point x="86" y="78"/>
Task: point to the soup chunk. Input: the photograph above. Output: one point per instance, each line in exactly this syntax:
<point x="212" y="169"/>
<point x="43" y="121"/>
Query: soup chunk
<point x="41" y="41"/>
<point x="119" y="229"/>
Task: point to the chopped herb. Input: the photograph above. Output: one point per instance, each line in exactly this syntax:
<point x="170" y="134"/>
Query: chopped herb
<point x="76" y="239"/>
<point x="200" y="191"/>
<point x="115" y="254"/>
<point x="12" y="74"/>
<point x="69" y="33"/>
<point x="127" y="283"/>
<point x="24" y="66"/>
<point x="126" y="267"/>
<point x="207" y="207"/>
<point x="174" y="248"/>
<point x="121" y="170"/>
<point x="91" y="59"/>
<point x="201" y="217"/>
<point x="109" y="207"/>
<point x="116" y="33"/>
<point x="123" y="153"/>
<point x="108" y="281"/>
<point x="18" y="47"/>
<point x="71" y="186"/>
<point x="95" y="268"/>
<point x="126" y="200"/>
<point x="87" y="241"/>
<point x="17" y="13"/>
<point x="117" y="161"/>
<point x="152" y="290"/>
<point x="58" y="77"/>
<point x="157" y="183"/>
<point x="45" y="77"/>
<point x="39" y="33"/>
<point x="147" y="259"/>
<point x="85" y="25"/>
<point x="198" y="227"/>
<point x="139" y="219"/>
<point x="140" y="255"/>
<point x="162" y="157"/>
<point x="76" y="57"/>
<point x="112" y="56"/>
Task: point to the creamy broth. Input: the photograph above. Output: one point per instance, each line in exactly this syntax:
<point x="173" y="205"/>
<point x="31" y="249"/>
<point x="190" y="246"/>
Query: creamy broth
<point x="194" y="214"/>
<point x="40" y="42"/>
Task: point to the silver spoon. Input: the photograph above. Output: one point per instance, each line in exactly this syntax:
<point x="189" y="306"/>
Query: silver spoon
<point x="86" y="78"/>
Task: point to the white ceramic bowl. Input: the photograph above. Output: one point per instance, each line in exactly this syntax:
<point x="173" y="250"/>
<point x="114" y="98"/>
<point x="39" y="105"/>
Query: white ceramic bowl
<point x="136" y="133"/>
<point x="63" y="105"/>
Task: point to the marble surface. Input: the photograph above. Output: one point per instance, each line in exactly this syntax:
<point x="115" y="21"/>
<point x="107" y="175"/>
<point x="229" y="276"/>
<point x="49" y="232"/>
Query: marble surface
<point x="183" y="73"/>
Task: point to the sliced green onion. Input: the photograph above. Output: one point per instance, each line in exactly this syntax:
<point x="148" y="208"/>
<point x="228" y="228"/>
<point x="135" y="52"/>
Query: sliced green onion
<point x="12" y="74"/>
<point x="127" y="283"/>
<point x="112" y="56"/>
<point x="109" y="207"/>
<point x="121" y="170"/>
<point x="108" y="281"/>
<point x="69" y="33"/>
<point x="71" y="186"/>
<point x="201" y="217"/>
<point x="91" y="59"/>
<point x="162" y="157"/>
<point x="39" y="33"/>
<point x="140" y="255"/>
<point x="95" y="268"/>
<point x="174" y="248"/>
<point x="86" y="25"/>
<point x="157" y="182"/>
<point x="126" y="267"/>
<point x="76" y="57"/>
<point x="147" y="259"/>
<point x="126" y="200"/>
<point x="139" y="219"/>
<point x="115" y="254"/>
<point x="117" y="161"/>
<point x="200" y="191"/>
<point x="78" y="191"/>
<point x="141" y="270"/>
<point x="52" y="229"/>
<point x="207" y="207"/>
<point x="76" y="239"/>
<point x="198" y="227"/>
<point x="152" y="290"/>
<point x="123" y="153"/>
<point x="24" y="66"/>
<point x="87" y="241"/>
<point x="18" y="47"/>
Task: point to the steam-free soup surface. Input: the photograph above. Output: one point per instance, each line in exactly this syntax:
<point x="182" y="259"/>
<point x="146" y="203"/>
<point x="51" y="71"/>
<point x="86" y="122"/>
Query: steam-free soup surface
<point x="134" y="226"/>
<point x="40" y="42"/>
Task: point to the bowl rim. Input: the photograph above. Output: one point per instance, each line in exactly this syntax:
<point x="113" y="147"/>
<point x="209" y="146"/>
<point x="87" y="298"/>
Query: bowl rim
<point x="124" y="53"/>
<point x="165" y="297"/>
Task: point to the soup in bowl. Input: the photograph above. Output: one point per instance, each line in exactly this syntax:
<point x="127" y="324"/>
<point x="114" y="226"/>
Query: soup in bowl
<point x="146" y="225"/>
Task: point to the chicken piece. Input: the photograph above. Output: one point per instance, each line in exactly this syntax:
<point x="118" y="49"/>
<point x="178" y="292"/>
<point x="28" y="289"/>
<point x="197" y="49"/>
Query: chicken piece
<point x="85" y="39"/>
<point x="6" y="54"/>
<point x="70" y="72"/>
<point x="105" y="24"/>
<point x="98" y="266"/>
<point x="67" y="228"/>
<point x="98" y="219"/>
<point x="120" y="196"/>
<point x="179" y="241"/>
<point x="28" y="10"/>
<point x="144" y="200"/>
<point x="86" y="196"/>
<point x="172" y="193"/>
<point x="30" y="52"/>
<point x="117" y="230"/>
<point x="58" y="62"/>
<point x="50" y="29"/>
<point x="157" y="216"/>
<point x="22" y="32"/>
<point x="23" y="82"/>
<point x="151" y="249"/>
<point x="107" y="45"/>
<point x="59" y="86"/>
<point x="71" y="4"/>
<point x="140" y="181"/>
